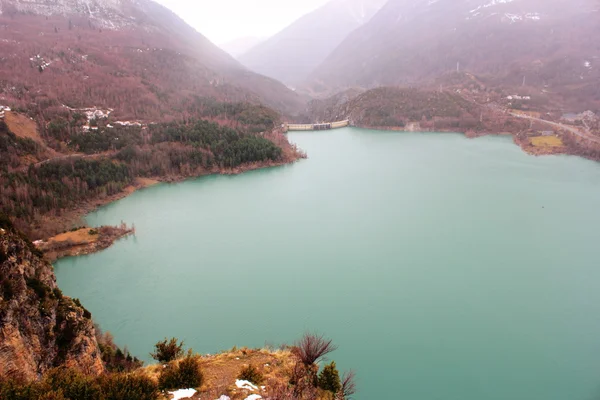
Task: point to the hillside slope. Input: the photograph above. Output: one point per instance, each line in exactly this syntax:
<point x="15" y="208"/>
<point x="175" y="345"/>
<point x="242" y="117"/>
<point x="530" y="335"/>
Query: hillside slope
<point x="134" y="56"/>
<point x="548" y="44"/>
<point x="39" y="327"/>
<point x="295" y="52"/>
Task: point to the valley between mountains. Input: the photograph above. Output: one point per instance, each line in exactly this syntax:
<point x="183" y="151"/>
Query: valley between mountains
<point x="101" y="98"/>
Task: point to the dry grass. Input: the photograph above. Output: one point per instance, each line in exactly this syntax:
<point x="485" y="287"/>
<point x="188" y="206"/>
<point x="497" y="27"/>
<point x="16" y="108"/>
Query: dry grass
<point x="81" y="236"/>
<point x="82" y="241"/>
<point x="140" y="183"/>
<point x="221" y="371"/>
<point x="546" y="141"/>
<point x="146" y="182"/>
<point x="22" y="126"/>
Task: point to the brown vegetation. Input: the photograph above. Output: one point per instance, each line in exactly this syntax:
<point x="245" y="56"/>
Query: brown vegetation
<point x="82" y="241"/>
<point x="277" y="374"/>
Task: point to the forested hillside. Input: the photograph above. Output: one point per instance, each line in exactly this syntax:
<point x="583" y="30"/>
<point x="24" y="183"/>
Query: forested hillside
<point x="135" y="57"/>
<point x="101" y="163"/>
<point x="104" y="92"/>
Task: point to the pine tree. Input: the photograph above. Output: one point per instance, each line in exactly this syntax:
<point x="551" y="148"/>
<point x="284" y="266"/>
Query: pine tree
<point x="329" y="378"/>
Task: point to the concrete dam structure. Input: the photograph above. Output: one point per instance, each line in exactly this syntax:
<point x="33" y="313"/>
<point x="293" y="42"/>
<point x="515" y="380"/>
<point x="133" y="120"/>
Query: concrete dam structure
<point x="316" y="127"/>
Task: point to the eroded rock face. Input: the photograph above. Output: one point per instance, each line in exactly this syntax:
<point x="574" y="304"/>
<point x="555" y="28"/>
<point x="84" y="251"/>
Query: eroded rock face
<point x="39" y="327"/>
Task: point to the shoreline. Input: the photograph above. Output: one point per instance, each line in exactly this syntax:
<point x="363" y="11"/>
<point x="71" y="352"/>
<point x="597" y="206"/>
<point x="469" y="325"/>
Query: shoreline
<point x="76" y="215"/>
<point x="520" y="139"/>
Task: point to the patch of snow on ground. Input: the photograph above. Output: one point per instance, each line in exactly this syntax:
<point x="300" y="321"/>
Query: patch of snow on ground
<point x="586" y="64"/>
<point x="39" y="62"/>
<point x="224" y="398"/>
<point x="533" y="16"/>
<point x="253" y="397"/>
<point x="490" y="4"/>
<point x="513" y="17"/>
<point x="245" y="385"/>
<point x="521" y="17"/>
<point x="183" y="394"/>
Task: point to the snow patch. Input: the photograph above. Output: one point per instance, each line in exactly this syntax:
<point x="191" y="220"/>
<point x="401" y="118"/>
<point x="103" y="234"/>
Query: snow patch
<point x="491" y="4"/>
<point x="520" y="17"/>
<point x="513" y="17"/>
<point x="39" y="62"/>
<point x="253" y="397"/>
<point x="183" y="394"/>
<point x="107" y="14"/>
<point x="241" y="384"/>
<point x="224" y="398"/>
<point x="587" y="64"/>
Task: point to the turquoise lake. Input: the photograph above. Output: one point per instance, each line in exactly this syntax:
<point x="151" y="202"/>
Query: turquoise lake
<point x="443" y="267"/>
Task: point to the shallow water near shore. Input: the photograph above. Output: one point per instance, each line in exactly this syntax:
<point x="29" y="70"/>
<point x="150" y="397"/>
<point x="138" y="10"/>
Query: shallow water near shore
<point x="443" y="267"/>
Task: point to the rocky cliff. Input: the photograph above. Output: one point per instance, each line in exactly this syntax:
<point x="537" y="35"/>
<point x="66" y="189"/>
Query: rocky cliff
<point x="39" y="327"/>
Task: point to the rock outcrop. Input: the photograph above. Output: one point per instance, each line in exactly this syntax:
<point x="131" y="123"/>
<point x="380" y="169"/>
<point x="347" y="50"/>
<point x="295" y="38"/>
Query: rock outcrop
<point x="39" y="327"/>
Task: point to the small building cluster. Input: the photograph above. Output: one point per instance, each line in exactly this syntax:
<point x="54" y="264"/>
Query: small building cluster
<point x="586" y="118"/>
<point x="3" y="109"/>
<point x="517" y="97"/>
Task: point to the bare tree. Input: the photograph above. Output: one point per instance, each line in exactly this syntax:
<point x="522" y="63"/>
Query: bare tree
<point x="348" y="384"/>
<point x="312" y="348"/>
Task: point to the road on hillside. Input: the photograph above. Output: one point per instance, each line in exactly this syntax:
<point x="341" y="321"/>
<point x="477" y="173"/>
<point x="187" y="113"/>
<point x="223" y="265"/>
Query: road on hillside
<point x="75" y="156"/>
<point x="584" y="134"/>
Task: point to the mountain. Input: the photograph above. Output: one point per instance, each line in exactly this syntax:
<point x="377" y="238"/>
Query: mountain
<point x="548" y="44"/>
<point x="39" y="327"/>
<point x="133" y="56"/>
<point x="292" y="54"/>
<point x="241" y="46"/>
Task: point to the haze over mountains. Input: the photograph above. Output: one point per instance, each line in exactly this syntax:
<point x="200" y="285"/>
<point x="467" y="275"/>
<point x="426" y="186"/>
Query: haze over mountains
<point x="132" y="55"/>
<point x="140" y="58"/>
<point x="241" y="46"/>
<point x="549" y="43"/>
<point x="292" y="54"/>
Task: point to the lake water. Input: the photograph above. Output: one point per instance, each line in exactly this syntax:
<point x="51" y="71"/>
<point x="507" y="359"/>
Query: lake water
<point x="444" y="268"/>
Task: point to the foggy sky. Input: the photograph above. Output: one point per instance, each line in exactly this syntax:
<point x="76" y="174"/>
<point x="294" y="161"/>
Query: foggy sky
<point x="224" y="20"/>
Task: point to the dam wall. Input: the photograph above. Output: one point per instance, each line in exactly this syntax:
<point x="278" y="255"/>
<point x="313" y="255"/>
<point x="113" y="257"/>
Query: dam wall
<point x="316" y="127"/>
